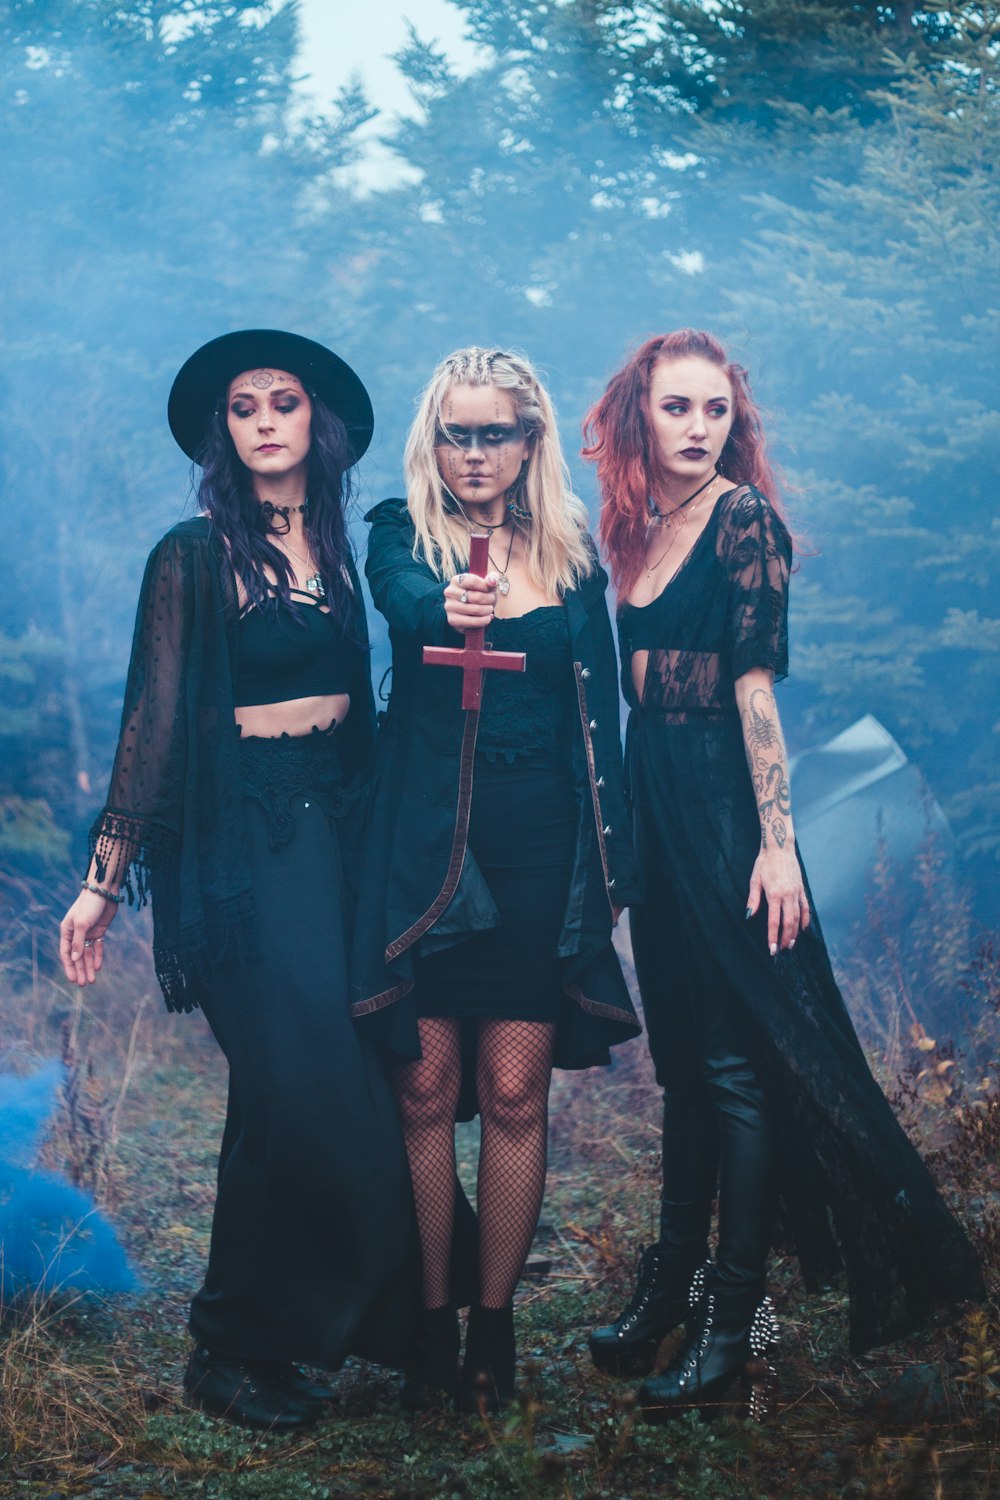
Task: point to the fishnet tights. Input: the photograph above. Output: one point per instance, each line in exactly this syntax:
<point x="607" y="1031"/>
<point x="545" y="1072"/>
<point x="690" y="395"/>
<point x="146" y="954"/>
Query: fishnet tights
<point x="514" y="1064"/>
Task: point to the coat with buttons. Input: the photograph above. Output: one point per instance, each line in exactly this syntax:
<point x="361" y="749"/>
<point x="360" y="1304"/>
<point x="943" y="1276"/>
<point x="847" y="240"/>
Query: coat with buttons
<point x="421" y="889"/>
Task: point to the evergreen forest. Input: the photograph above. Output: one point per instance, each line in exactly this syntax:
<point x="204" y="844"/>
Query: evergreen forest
<point x="815" y="181"/>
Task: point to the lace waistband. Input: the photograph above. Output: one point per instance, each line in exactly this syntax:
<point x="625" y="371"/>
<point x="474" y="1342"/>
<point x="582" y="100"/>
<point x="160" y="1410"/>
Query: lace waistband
<point x="274" y="772"/>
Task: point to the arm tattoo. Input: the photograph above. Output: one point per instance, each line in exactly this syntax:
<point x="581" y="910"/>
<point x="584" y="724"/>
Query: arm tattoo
<point x="768" y="765"/>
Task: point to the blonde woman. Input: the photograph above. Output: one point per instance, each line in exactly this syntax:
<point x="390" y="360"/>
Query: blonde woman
<point x="500" y="851"/>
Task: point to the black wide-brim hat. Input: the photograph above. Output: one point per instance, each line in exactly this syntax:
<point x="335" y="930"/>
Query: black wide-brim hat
<point x="202" y="380"/>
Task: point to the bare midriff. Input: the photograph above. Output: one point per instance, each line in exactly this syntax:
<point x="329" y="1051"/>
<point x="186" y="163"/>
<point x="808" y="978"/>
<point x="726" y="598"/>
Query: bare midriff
<point x="640" y="661"/>
<point x="297" y="716"/>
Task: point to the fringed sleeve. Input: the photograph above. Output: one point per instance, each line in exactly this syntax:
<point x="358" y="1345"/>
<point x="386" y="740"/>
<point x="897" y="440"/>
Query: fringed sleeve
<point x="173" y="830"/>
<point x="139" y="830"/>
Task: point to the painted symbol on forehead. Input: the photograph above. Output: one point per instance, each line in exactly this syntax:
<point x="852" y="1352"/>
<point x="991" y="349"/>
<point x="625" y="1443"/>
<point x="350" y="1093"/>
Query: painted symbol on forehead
<point x="262" y="379"/>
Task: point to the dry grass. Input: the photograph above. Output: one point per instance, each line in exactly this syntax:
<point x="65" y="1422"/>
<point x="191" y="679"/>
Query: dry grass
<point x="88" y="1389"/>
<point x="63" y="1397"/>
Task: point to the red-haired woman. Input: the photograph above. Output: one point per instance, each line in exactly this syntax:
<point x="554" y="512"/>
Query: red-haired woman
<point x="768" y="1099"/>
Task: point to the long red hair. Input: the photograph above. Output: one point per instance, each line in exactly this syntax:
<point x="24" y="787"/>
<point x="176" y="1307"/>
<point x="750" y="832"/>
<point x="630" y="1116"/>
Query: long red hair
<point x="629" y="467"/>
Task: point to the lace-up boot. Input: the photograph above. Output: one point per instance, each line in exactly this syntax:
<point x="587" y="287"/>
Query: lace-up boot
<point x="431" y="1380"/>
<point x="240" y="1391"/>
<point x="731" y="1340"/>
<point x="668" y="1288"/>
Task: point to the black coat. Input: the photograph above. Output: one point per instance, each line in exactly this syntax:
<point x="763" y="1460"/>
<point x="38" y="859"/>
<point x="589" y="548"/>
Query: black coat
<point x="421" y="888"/>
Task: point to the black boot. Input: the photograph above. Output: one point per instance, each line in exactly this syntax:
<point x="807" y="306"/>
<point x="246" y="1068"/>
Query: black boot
<point x="731" y="1339"/>
<point x="667" y="1290"/>
<point x="432" y="1373"/>
<point x="240" y="1391"/>
<point x="294" y="1380"/>
<point x="490" y="1357"/>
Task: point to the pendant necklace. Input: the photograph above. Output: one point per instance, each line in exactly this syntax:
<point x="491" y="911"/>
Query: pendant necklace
<point x="659" y="517"/>
<point x="314" y="582"/>
<point x="666" y="517"/>
<point x="503" y="582"/>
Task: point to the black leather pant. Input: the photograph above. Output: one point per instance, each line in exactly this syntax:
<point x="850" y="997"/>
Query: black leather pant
<point x="716" y="1132"/>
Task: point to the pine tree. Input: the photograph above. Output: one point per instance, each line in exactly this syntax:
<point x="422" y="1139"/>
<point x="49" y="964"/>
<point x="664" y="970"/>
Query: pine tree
<point x="889" y="368"/>
<point x="160" y="187"/>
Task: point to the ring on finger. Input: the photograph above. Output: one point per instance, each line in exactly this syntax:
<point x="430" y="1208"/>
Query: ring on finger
<point x="88" y="942"/>
<point x="463" y="597"/>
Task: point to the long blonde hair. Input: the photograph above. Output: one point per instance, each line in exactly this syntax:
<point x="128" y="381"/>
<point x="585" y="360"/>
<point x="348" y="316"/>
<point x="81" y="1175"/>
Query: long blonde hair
<point x="558" y="556"/>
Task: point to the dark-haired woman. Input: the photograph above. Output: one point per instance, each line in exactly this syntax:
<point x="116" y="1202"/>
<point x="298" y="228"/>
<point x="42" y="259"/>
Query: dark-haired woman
<point x="766" y="1090"/>
<point x="247" y="725"/>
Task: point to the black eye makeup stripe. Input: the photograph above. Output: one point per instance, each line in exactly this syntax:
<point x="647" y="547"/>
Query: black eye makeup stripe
<point x="492" y="435"/>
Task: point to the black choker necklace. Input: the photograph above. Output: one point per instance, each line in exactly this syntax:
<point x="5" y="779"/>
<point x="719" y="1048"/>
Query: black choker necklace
<point x="269" y="511"/>
<point x="478" y="525"/>
<point x="656" y="515"/>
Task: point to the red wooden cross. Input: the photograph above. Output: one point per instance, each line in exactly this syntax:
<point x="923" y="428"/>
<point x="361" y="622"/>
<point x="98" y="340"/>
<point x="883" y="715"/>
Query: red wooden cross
<point x="476" y="656"/>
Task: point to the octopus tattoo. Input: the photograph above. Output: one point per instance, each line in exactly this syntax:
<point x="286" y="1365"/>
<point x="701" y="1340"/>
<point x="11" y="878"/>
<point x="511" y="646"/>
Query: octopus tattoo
<point x="768" y="770"/>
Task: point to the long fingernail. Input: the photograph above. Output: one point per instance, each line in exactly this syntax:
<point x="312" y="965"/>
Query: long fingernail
<point x="749" y="912"/>
<point x="773" y="950"/>
<point x="791" y="945"/>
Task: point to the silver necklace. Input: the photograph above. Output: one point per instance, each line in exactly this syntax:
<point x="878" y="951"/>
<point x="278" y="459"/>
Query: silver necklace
<point x="503" y="582"/>
<point x="314" y="581"/>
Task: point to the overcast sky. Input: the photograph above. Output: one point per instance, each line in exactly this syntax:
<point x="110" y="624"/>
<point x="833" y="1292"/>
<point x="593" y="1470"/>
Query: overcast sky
<point x="358" y="36"/>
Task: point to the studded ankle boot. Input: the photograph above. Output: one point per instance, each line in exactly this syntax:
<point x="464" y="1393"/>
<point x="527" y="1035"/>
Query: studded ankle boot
<point x="731" y="1339"/>
<point x="668" y="1288"/>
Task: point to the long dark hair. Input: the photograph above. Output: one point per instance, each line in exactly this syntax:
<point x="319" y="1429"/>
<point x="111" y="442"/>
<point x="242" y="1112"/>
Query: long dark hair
<point x="226" y="493"/>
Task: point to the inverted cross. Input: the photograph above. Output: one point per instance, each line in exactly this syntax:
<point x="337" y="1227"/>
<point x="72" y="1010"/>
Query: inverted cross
<point x="476" y="656"/>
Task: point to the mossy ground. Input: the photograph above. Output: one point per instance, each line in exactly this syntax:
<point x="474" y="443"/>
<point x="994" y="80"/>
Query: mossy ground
<point x="91" y="1391"/>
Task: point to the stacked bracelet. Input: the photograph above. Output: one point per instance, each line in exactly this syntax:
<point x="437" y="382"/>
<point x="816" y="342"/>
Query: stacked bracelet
<point x="101" y="890"/>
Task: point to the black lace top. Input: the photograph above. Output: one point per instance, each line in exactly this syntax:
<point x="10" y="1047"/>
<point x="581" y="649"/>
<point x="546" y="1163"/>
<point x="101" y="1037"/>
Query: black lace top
<point x="292" y="651"/>
<point x="723" y="612"/>
<point x="528" y="713"/>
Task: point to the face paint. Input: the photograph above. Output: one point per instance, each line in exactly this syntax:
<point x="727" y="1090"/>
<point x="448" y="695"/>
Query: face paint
<point x="492" y="438"/>
<point x="479" y="446"/>
<point x="262" y="379"/>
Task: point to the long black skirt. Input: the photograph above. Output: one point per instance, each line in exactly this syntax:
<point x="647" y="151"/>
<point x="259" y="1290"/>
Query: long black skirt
<point x="313" y="1251"/>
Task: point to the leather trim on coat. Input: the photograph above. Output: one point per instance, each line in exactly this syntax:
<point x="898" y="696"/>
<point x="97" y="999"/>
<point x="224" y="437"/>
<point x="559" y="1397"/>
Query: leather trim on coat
<point x="581" y="696"/>
<point x="458" y="847"/>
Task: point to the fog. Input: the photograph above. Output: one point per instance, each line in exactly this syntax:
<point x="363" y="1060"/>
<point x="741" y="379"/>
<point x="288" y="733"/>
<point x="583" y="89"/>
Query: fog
<point x="590" y="184"/>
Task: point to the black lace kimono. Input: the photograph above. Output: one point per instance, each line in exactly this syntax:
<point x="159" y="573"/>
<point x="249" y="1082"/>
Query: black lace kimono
<point x="173" y="828"/>
<point x="844" y="1162"/>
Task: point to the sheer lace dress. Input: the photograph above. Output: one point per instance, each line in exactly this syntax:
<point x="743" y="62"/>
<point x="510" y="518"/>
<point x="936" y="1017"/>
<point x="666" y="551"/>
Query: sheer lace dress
<point x="851" y="1183"/>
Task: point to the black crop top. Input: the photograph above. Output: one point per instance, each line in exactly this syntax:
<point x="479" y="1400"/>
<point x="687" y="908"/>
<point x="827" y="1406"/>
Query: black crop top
<point x="528" y="712"/>
<point x="296" y="651"/>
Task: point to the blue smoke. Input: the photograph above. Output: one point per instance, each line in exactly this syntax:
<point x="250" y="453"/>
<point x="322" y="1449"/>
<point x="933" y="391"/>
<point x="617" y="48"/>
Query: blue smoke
<point x="52" y="1235"/>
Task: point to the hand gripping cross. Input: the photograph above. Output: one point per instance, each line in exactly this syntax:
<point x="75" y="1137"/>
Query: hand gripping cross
<point x="476" y="656"/>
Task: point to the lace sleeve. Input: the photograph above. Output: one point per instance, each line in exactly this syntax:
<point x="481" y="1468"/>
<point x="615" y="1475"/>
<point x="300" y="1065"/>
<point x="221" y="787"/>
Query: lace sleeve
<point x="141" y="824"/>
<point x="758" y="557"/>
